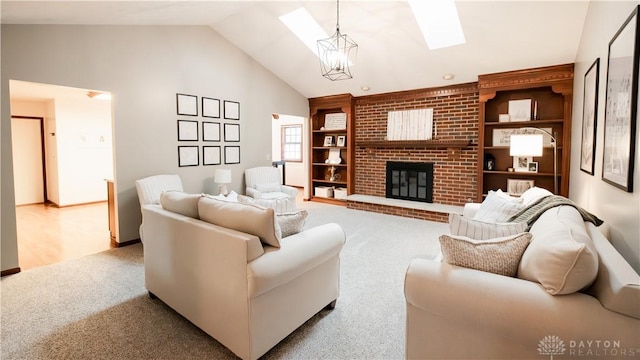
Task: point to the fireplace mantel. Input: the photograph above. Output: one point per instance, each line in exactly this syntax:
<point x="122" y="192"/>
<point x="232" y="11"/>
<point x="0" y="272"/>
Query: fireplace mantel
<point x="428" y="144"/>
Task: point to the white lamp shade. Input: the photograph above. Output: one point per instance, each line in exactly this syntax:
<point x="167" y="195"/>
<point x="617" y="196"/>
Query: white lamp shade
<point x="223" y="176"/>
<point x="526" y="145"/>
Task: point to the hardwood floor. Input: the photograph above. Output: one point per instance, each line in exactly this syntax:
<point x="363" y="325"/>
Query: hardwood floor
<point x="48" y="234"/>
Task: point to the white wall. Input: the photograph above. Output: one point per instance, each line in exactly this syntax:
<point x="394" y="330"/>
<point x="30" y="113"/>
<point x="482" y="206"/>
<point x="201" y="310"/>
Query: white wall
<point x="295" y="171"/>
<point x="620" y="210"/>
<point x="143" y="67"/>
<point x="84" y="142"/>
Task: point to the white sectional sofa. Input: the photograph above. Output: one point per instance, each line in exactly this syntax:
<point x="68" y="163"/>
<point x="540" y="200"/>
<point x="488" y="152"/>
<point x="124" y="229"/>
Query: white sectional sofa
<point x="247" y="288"/>
<point x="573" y="295"/>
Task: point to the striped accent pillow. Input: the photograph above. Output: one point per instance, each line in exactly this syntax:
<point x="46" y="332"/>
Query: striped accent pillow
<point x="499" y="256"/>
<point x="480" y="230"/>
<point x="498" y="209"/>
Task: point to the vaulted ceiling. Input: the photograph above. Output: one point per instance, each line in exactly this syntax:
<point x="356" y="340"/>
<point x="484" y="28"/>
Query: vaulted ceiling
<point x="392" y="54"/>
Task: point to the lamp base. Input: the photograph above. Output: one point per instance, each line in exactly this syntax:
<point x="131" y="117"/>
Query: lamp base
<point x="223" y="190"/>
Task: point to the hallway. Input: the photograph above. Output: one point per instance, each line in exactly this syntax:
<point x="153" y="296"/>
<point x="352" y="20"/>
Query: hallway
<point x="48" y="234"/>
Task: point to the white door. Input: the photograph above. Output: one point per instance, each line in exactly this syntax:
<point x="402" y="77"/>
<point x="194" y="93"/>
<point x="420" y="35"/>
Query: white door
<point x="28" y="175"/>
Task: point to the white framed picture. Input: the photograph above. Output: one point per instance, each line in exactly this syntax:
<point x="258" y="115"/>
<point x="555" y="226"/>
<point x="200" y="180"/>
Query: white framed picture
<point x="521" y="163"/>
<point x="533" y="166"/>
<point x="342" y="140"/>
<point x="328" y="140"/>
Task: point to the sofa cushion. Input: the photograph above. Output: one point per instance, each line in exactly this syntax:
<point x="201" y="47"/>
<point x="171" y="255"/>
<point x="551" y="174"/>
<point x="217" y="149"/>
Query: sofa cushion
<point x="498" y="208"/>
<point x="499" y="256"/>
<point x="268" y="187"/>
<point x="250" y="219"/>
<point x="480" y="230"/>
<point x="292" y="222"/>
<point x="561" y="255"/>
<point x="180" y="202"/>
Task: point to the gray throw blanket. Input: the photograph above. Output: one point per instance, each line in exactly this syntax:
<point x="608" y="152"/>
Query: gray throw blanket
<point x="532" y="212"/>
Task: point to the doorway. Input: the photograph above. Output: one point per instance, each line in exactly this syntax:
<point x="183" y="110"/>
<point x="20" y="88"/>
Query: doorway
<point x="289" y="139"/>
<point x="62" y="157"/>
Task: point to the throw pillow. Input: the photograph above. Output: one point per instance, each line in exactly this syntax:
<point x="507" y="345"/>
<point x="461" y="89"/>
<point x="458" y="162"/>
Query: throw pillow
<point x="497" y="209"/>
<point x="180" y="202"/>
<point x="250" y="219"/>
<point x="499" y="256"/>
<point x="291" y="223"/>
<point x="480" y="230"/>
<point x="268" y="187"/>
<point x="562" y="256"/>
<point x="534" y="194"/>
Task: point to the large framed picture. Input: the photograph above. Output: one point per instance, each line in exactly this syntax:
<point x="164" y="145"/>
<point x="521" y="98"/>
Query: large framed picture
<point x="232" y="154"/>
<point x="621" y="106"/>
<point x="589" y="117"/>
<point x="231" y="110"/>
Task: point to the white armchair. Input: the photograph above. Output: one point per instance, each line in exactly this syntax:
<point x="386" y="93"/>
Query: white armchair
<point x="264" y="182"/>
<point x="150" y="188"/>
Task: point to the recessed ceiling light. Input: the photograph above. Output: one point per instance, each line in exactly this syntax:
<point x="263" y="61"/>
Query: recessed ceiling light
<point x="365" y="88"/>
<point x="439" y="22"/>
<point x="448" y="76"/>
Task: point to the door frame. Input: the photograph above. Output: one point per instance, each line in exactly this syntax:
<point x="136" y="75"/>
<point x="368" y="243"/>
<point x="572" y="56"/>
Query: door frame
<point x="42" y="147"/>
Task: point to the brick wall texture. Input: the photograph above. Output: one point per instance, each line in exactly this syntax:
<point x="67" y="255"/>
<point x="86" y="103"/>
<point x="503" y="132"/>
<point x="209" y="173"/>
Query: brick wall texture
<point x="455" y="117"/>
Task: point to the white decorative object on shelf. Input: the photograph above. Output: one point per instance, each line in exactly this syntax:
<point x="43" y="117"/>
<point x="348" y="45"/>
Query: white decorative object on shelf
<point x="335" y="121"/>
<point x="520" y="110"/>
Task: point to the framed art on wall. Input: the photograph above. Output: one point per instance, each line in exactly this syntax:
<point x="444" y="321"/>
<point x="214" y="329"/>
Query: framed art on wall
<point x="621" y="106"/>
<point x="232" y="154"/>
<point x="232" y="132"/>
<point x="589" y="117"/>
<point x="210" y="107"/>
<point x="210" y="131"/>
<point x="187" y="130"/>
<point x="187" y="104"/>
<point x="211" y="155"/>
<point x="188" y="156"/>
<point x="231" y="110"/>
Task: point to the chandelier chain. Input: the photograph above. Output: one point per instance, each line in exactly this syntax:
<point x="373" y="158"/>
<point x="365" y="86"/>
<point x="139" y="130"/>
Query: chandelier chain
<point x="338" y="15"/>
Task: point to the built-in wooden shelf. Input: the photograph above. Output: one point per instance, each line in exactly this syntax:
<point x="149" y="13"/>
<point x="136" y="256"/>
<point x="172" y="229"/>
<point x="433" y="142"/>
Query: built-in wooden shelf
<point x="429" y="144"/>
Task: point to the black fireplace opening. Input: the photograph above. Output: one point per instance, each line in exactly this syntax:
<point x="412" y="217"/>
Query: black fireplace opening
<point x="410" y="181"/>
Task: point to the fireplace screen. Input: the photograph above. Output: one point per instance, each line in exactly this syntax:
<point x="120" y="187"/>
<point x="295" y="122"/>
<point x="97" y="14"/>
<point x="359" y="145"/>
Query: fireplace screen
<point x="410" y="181"/>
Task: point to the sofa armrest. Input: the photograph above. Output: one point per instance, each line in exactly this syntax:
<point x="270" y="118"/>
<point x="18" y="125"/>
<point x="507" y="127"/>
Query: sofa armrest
<point x="470" y="210"/>
<point x="289" y="190"/>
<point x="254" y="193"/>
<point x="297" y="254"/>
<point x="490" y="313"/>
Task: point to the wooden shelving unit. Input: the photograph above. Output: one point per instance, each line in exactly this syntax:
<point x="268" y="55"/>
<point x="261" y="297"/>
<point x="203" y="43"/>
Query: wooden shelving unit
<point x="551" y="88"/>
<point x="319" y="108"/>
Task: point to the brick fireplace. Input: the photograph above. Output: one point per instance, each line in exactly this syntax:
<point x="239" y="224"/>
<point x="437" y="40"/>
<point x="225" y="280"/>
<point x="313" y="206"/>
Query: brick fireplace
<point x="455" y="117"/>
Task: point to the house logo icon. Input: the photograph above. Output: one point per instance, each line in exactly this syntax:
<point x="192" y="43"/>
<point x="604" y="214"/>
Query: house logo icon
<point x="551" y="345"/>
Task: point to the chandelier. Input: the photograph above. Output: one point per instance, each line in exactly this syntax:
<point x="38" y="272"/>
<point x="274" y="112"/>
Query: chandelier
<point x="337" y="53"/>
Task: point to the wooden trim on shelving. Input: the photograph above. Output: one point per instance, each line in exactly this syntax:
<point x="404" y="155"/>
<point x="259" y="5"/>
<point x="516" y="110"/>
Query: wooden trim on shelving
<point x="115" y="244"/>
<point x="418" y="93"/>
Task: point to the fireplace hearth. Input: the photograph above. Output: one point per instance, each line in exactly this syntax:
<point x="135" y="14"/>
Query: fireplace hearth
<point x="410" y="181"/>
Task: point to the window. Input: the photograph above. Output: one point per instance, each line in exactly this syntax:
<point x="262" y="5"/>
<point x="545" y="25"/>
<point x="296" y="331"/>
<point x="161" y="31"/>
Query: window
<point x="292" y="143"/>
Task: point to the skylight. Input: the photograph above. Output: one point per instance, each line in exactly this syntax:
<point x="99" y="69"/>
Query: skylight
<point x="305" y="27"/>
<point x="439" y="22"/>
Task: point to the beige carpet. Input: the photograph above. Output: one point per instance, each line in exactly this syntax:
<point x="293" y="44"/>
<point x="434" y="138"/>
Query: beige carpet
<point x="97" y="307"/>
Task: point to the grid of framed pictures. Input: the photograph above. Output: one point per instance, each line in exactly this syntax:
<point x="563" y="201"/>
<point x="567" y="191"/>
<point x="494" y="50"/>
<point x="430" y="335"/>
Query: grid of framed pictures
<point x="225" y="130"/>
